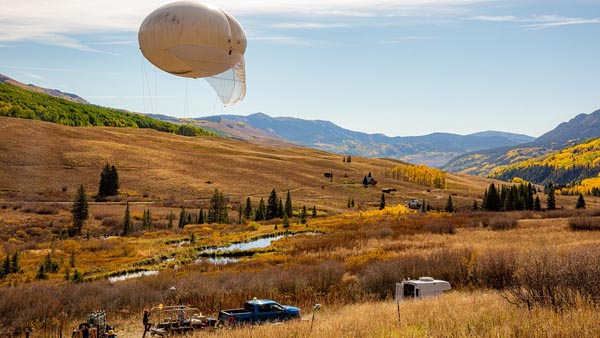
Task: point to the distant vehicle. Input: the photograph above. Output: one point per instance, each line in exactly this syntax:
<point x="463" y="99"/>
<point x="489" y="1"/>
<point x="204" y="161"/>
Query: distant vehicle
<point x="414" y="204"/>
<point x="95" y="326"/>
<point x="422" y="287"/>
<point x="257" y="311"/>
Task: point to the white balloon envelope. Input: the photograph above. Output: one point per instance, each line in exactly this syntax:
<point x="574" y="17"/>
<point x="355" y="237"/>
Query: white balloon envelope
<point x="195" y="40"/>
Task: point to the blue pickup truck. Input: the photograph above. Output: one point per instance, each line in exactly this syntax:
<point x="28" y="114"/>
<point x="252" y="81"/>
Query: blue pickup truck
<point x="258" y="310"/>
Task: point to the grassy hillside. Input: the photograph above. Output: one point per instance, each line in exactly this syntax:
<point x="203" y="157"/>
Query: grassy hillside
<point x="17" y="102"/>
<point x="567" y="166"/>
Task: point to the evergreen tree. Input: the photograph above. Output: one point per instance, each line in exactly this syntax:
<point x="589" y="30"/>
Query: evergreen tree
<point x="288" y="205"/>
<point x="352" y="202"/>
<point x="248" y="209"/>
<point x="260" y="214"/>
<point x="314" y="211"/>
<point x="49" y="265"/>
<point x="280" y="209"/>
<point x="41" y="274"/>
<point x="109" y="182"/>
<point x="217" y="213"/>
<point x="77" y="277"/>
<point x="79" y="210"/>
<point x="537" y="206"/>
<point x="146" y="220"/>
<point x="449" y="205"/>
<point x="492" y="200"/>
<point x="303" y="215"/>
<point x="475" y="205"/>
<point x="6" y="267"/>
<point x="551" y="202"/>
<point x="423" y="206"/>
<point x="15" y="263"/>
<point x="271" y="211"/>
<point x="240" y="214"/>
<point x="286" y="221"/>
<point x="580" y="202"/>
<point x="127" y="222"/>
<point x="171" y="218"/>
<point x="201" y="216"/>
<point x="349" y="159"/>
<point x="382" y="202"/>
<point x="182" y="218"/>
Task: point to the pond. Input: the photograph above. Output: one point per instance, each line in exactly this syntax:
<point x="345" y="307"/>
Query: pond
<point x="132" y="275"/>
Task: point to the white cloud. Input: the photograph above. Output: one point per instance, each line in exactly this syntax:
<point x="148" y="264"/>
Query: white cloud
<point x="309" y="25"/>
<point x="32" y="75"/>
<point x="56" y="23"/>
<point x="538" y="21"/>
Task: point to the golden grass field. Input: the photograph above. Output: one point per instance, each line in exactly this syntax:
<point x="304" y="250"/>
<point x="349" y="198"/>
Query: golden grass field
<point x="350" y="266"/>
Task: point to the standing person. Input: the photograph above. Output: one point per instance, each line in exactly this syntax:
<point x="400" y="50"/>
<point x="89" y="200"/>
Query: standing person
<point x="146" y="322"/>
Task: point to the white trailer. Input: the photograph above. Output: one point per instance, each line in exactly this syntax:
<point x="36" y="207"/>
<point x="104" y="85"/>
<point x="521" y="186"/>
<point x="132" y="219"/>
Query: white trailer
<point x="422" y="287"/>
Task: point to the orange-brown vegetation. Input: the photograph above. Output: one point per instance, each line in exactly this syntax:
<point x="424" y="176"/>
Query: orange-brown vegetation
<point x="349" y="260"/>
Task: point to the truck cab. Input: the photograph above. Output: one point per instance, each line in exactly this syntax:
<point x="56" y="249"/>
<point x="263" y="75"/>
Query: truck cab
<point x="259" y="310"/>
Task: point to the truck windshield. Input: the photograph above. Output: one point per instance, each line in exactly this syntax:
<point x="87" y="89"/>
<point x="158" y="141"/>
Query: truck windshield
<point x="249" y="307"/>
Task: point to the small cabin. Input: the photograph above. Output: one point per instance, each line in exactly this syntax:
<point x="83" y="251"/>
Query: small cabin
<point x="422" y="287"/>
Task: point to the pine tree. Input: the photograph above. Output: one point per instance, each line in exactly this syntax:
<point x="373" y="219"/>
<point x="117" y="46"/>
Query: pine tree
<point x="6" y="267"/>
<point x="286" y="221"/>
<point x="248" y="209"/>
<point x="41" y="275"/>
<point x="537" y="206"/>
<point x="423" y="207"/>
<point x="288" y="205"/>
<point x="217" y="213"/>
<point x="15" y="263"/>
<point x="171" y="217"/>
<point x="77" y="277"/>
<point x="201" y="216"/>
<point x="449" y="205"/>
<point x="280" y="209"/>
<point x="271" y="211"/>
<point x="580" y="202"/>
<point x="49" y="265"/>
<point x="260" y="214"/>
<point x="303" y="215"/>
<point x="79" y="210"/>
<point x="67" y="274"/>
<point x="182" y="218"/>
<point x="382" y="202"/>
<point x="109" y="182"/>
<point x="314" y="211"/>
<point x="127" y="222"/>
<point x="240" y="214"/>
<point x="551" y="202"/>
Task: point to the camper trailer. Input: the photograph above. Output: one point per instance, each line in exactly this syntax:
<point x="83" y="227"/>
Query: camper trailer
<point x="422" y="287"/>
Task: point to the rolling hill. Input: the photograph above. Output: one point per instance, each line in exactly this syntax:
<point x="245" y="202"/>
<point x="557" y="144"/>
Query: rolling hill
<point x="21" y="103"/>
<point x="578" y="129"/>
<point x="433" y="149"/>
<point x="34" y="88"/>
<point x="566" y="166"/>
<point x="47" y="162"/>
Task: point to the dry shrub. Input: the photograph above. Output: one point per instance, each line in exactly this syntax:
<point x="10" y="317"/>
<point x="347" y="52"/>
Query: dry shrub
<point x="440" y="227"/>
<point x="41" y="210"/>
<point x="548" y="279"/>
<point x="504" y="222"/>
<point x="495" y="268"/>
<point x="584" y="223"/>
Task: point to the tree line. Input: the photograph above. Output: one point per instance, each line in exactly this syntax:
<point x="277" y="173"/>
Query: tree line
<point x="419" y="174"/>
<point x="20" y="103"/>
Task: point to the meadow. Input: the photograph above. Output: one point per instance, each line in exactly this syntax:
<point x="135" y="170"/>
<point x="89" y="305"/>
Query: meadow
<point x="514" y="274"/>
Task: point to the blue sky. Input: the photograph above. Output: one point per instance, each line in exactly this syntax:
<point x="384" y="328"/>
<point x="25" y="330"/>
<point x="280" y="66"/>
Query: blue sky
<point x="398" y="67"/>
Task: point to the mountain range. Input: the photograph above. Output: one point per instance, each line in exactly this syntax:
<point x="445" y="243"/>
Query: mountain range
<point x="433" y="149"/>
<point x="582" y="127"/>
